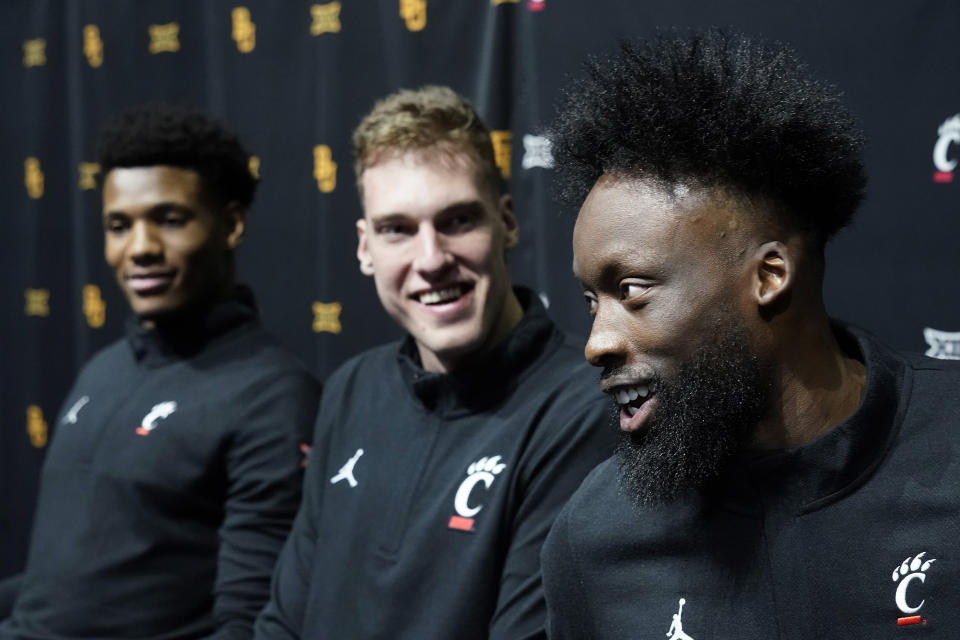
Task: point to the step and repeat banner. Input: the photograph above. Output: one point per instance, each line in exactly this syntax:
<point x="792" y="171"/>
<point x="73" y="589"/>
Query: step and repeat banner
<point x="293" y="78"/>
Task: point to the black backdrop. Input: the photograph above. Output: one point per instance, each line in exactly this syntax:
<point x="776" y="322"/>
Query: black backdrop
<point x="294" y="77"/>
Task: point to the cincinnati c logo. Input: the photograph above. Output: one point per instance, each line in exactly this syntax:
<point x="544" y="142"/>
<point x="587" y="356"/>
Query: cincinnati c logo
<point x="911" y="570"/>
<point x="485" y="471"/>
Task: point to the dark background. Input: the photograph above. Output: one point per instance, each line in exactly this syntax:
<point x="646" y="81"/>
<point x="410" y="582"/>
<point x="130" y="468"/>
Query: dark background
<point x="894" y="271"/>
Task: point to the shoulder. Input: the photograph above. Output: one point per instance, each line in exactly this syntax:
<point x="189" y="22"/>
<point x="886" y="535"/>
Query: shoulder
<point x="936" y="383"/>
<point x="595" y="493"/>
<point x="564" y="381"/>
<point x="589" y="505"/>
<point x="375" y="363"/>
<point x="251" y="372"/>
<point x="109" y="358"/>
<point x="253" y="354"/>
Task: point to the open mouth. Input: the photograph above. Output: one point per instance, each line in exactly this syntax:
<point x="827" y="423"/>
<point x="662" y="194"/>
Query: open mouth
<point x="446" y="295"/>
<point x="636" y="404"/>
<point x="631" y="398"/>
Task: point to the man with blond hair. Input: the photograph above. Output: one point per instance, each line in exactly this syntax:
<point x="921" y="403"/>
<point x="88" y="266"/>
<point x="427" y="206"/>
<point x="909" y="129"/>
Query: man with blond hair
<point x="440" y="460"/>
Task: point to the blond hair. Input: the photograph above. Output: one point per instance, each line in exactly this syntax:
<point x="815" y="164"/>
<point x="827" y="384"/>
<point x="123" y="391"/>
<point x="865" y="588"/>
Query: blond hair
<point x="431" y="120"/>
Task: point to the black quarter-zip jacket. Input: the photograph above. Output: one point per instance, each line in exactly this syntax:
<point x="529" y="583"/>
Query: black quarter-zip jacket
<point x="853" y="535"/>
<point x="428" y="496"/>
<point x="170" y="484"/>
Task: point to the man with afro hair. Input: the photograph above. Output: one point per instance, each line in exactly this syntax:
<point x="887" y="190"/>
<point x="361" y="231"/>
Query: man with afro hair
<point x="174" y="474"/>
<point x="776" y="467"/>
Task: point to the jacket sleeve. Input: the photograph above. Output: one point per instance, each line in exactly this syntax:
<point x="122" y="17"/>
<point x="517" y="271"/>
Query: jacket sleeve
<point x="282" y="618"/>
<point x="551" y="474"/>
<point x="263" y="493"/>
<point x="9" y="587"/>
<point x="559" y="585"/>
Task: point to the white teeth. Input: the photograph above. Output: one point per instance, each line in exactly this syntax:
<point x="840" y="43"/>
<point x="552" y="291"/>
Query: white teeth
<point x="625" y="395"/>
<point x="632" y="411"/>
<point x="436" y="297"/>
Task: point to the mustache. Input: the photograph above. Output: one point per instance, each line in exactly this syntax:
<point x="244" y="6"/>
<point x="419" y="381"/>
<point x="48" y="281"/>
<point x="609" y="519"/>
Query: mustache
<point x="632" y="372"/>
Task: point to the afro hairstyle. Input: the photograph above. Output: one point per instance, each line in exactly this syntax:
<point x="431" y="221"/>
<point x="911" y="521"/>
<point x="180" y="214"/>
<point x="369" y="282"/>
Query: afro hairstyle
<point x="718" y="111"/>
<point x="162" y="134"/>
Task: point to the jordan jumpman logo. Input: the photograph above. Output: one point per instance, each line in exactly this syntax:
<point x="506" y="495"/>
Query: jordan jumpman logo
<point x="346" y="471"/>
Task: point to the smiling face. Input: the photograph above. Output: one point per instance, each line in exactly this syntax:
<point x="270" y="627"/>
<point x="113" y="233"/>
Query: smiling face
<point x="667" y="280"/>
<point x="659" y="272"/>
<point x="435" y="243"/>
<point x="169" y="250"/>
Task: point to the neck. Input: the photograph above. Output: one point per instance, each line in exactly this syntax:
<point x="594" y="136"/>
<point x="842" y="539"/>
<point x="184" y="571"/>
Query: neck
<point x="509" y="317"/>
<point x="223" y="291"/>
<point x="817" y="385"/>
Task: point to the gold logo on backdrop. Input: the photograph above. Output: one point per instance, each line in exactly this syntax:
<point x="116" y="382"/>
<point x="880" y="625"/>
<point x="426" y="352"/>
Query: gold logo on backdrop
<point x="254" y="166"/>
<point x="93" y="45"/>
<point x="34" y="52"/>
<point x="414" y="13"/>
<point x="502" y="147"/>
<point x="244" y="30"/>
<point x="33" y="177"/>
<point x="496" y="2"/>
<point x="326" y="317"/>
<point x="164" y="37"/>
<point x="326" y="18"/>
<point x="37" y="302"/>
<point x="88" y="175"/>
<point x="324" y="168"/>
<point x="36" y="426"/>
<point x="93" y="306"/>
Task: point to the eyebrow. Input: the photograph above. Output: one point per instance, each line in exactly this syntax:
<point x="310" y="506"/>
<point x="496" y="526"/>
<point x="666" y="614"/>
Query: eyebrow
<point x="450" y="208"/>
<point x="166" y="205"/>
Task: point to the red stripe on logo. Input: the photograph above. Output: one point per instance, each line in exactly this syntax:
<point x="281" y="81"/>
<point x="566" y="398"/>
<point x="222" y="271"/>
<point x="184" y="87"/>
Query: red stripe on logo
<point x="942" y="176"/>
<point x="142" y="432"/>
<point x="461" y="524"/>
<point x="902" y="622"/>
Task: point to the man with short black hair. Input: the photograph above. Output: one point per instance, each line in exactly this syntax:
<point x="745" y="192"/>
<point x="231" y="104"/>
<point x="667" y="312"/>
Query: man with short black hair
<point x="440" y="461"/>
<point x="173" y="475"/>
<point x="775" y="467"/>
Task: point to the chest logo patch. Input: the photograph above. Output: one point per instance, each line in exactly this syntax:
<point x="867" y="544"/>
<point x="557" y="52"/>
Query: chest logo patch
<point x="484" y="470"/>
<point x="159" y="412"/>
<point x="913" y="569"/>
<point x="675" y="632"/>
<point x="71" y="416"/>
<point x="346" y="471"/>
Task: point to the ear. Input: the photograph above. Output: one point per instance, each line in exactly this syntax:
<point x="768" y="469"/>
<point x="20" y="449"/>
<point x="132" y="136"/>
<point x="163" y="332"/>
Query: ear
<point x="509" y="218"/>
<point x="775" y="273"/>
<point x="236" y="218"/>
<point x="363" y="252"/>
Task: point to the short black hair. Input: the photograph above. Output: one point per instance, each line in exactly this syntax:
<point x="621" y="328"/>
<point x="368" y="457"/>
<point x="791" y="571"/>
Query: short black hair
<point x="179" y="136"/>
<point x="720" y="110"/>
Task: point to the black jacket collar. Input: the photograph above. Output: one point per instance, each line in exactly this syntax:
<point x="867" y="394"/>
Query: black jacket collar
<point x="820" y="472"/>
<point x="491" y="376"/>
<point x="188" y="332"/>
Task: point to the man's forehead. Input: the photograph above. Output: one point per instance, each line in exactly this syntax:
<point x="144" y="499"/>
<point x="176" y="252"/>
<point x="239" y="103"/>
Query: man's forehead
<point x="650" y="223"/>
<point x="616" y="199"/>
<point x="140" y="186"/>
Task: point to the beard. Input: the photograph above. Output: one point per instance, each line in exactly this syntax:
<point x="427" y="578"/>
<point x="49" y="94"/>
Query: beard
<point x="705" y="414"/>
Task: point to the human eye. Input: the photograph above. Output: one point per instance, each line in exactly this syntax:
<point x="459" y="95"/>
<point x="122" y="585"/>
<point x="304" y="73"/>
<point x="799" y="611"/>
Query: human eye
<point x="591" y="299"/>
<point x="459" y="221"/>
<point x="115" y="224"/>
<point x="174" y="218"/>
<point x="392" y="229"/>
<point x="633" y="291"/>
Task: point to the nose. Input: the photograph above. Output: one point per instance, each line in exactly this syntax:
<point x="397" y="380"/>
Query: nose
<point x="433" y="255"/>
<point x="607" y="344"/>
<point x="143" y="245"/>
